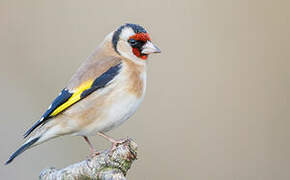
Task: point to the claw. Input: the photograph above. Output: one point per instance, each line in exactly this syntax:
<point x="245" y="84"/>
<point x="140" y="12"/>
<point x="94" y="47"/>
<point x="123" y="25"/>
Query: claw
<point x="93" y="154"/>
<point x="116" y="143"/>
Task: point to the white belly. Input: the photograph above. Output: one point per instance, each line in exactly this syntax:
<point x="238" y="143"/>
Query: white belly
<point x="123" y="108"/>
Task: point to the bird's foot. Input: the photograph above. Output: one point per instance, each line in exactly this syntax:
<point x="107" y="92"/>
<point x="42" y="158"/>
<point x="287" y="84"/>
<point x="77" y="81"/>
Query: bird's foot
<point x="92" y="149"/>
<point x="116" y="143"/>
<point x="95" y="153"/>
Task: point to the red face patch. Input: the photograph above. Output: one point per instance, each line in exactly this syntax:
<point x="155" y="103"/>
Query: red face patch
<point x="141" y="37"/>
<point x="137" y="53"/>
<point x="144" y="37"/>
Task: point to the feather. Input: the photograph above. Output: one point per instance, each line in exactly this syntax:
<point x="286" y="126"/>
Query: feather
<point x="23" y="148"/>
<point x="67" y="98"/>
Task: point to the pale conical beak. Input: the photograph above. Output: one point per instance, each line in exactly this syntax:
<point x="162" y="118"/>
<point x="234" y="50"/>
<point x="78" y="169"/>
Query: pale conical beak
<point x="150" y="48"/>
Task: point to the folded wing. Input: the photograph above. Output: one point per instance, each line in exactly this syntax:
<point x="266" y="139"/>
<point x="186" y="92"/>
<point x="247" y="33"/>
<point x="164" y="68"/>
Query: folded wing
<point x="68" y="97"/>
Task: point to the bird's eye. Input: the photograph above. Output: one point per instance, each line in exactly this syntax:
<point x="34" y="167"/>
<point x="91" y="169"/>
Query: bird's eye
<point x="132" y="42"/>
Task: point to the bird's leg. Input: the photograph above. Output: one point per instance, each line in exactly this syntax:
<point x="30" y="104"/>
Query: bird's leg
<point x="92" y="149"/>
<point x="114" y="142"/>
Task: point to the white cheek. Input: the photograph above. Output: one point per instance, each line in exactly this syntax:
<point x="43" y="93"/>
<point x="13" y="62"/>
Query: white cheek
<point x="126" y="33"/>
<point x="125" y="50"/>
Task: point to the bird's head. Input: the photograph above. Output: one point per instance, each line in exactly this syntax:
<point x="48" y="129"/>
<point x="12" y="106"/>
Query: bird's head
<point x="133" y="42"/>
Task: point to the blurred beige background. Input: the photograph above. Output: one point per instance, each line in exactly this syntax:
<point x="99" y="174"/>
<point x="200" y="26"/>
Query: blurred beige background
<point x="217" y="105"/>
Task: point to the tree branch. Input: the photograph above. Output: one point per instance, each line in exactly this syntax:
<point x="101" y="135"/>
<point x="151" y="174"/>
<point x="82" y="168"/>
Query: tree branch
<point x="105" y="166"/>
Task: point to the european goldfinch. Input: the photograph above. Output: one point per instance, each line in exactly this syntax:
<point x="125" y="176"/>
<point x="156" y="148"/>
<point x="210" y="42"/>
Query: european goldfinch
<point x="103" y="93"/>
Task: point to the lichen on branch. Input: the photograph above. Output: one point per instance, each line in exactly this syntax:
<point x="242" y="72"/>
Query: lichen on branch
<point x="108" y="165"/>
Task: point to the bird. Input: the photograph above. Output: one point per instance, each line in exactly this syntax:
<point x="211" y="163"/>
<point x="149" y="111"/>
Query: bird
<point x="104" y="92"/>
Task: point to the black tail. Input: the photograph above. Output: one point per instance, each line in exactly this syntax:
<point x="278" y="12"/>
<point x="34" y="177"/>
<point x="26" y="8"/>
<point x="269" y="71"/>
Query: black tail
<point x="29" y="131"/>
<point x="21" y="149"/>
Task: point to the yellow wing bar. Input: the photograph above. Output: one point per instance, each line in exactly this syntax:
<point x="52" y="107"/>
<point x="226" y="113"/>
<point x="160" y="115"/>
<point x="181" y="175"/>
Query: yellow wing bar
<point x="74" y="98"/>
